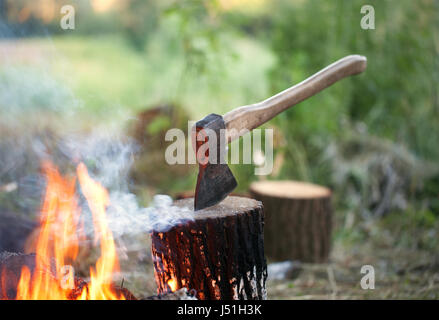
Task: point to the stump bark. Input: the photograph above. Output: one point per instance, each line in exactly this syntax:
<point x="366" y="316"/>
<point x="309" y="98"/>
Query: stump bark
<point x="298" y="220"/>
<point x="219" y="255"/>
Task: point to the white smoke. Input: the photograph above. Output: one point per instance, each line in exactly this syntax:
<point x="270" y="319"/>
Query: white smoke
<point x="39" y="120"/>
<point x="124" y="216"/>
<point x="109" y="157"/>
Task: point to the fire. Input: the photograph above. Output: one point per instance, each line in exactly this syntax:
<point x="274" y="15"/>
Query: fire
<point x="107" y="264"/>
<point x="57" y="244"/>
<point x="172" y="283"/>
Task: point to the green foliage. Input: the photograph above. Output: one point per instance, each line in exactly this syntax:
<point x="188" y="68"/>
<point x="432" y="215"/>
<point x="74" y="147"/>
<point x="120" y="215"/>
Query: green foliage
<point x="417" y="229"/>
<point x="400" y="56"/>
<point x="158" y="124"/>
<point x="201" y="37"/>
<point x="140" y="19"/>
<point x="394" y="100"/>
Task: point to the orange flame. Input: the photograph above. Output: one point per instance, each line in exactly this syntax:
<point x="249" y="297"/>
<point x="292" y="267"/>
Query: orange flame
<point x="57" y="244"/>
<point x="172" y="283"/>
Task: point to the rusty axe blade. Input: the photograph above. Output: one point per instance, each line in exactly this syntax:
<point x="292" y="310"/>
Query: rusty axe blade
<point x="215" y="180"/>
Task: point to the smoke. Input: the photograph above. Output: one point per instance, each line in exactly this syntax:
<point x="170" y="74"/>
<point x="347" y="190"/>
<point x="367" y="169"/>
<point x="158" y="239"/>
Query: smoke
<point x="107" y="153"/>
<point x="42" y="119"/>
<point x="31" y="90"/>
<point x="109" y="157"/>
<point x="161" y="216"/>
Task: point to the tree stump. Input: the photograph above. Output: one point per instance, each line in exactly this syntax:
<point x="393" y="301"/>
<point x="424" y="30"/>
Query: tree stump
<point x="298" y="220"/>
<point x="219" y="254"/>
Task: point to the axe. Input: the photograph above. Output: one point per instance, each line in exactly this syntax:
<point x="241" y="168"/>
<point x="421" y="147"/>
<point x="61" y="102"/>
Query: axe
<point x="215" y="180"/>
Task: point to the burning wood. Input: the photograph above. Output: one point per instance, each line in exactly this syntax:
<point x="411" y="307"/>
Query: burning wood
<point x="48" y="274"/>
<point x="215" y="253"/>
<point x="12" y="264"/>
<point x="220" y="254"/>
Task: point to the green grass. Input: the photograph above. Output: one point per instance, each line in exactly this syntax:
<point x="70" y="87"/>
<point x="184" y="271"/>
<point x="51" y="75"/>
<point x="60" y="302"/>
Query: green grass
<point x="109" y="76"/>
<point x="104" y="72"/>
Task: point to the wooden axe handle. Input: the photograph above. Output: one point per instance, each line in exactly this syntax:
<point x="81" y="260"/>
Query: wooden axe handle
<point x="252" y="116"/>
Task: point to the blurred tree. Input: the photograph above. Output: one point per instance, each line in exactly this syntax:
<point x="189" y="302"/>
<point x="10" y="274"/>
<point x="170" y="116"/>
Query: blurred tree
<point x="200" y="29"/>
<point x="140" y="18"/>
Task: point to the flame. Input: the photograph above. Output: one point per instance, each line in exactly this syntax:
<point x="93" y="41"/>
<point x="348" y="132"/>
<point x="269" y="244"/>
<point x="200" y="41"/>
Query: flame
<point x="172" y="283"/>
<point x="57" y="244"/>
<point x="98" y="199"/>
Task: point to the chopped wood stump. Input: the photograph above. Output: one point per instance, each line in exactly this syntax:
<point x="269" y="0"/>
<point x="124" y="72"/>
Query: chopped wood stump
<point x="298" y="220"/>
<point x="219" y="255"/>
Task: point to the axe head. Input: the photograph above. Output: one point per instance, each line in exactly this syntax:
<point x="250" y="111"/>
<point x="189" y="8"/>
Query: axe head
<point x="215" y="180"/>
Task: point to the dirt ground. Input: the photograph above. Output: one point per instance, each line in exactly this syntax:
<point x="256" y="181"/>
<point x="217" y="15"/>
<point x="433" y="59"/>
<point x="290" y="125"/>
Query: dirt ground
<point x="337" y="280"/>
<point x="341" y="280"/>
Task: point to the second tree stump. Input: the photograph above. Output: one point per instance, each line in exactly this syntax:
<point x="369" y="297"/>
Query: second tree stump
<point x="298" y="220"/>
<point x="219" y="255"/>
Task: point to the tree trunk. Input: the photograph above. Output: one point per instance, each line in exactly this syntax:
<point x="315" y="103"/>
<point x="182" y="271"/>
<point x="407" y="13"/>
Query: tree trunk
<point x="298" y="220"/>
<point x="219" y="255"/>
